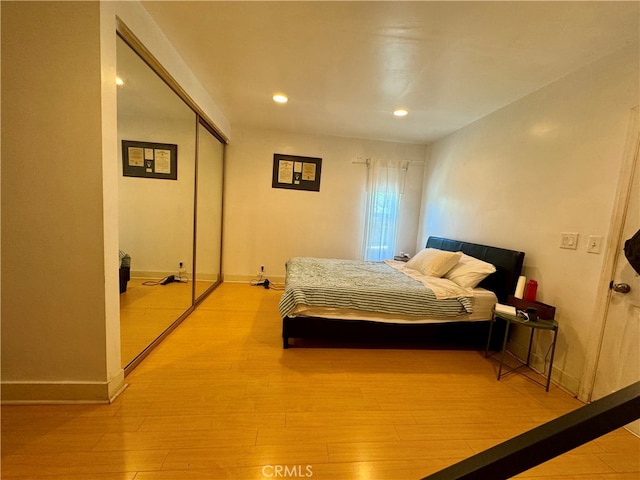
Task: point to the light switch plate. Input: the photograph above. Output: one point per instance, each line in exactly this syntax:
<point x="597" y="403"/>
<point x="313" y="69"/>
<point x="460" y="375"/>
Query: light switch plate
<point x="595" y="241"/>
<point x="569" y="240"/>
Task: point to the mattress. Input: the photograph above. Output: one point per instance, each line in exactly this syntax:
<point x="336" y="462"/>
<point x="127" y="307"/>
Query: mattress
<point x="482" y="302"/>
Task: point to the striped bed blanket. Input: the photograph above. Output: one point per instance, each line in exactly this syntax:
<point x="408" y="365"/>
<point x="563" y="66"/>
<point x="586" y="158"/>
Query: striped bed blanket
<point x="361" y="285"/>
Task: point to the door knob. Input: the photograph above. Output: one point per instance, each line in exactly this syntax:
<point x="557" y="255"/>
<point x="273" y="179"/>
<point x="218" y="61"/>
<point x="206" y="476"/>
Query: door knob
<point x="620" y="287"/>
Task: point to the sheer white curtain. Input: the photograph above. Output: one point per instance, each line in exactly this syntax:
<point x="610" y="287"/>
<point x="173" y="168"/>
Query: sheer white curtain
<point x="385" y="188"/>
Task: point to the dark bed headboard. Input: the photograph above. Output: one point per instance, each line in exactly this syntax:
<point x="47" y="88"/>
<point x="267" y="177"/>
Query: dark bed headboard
<point x="508" y="263"/>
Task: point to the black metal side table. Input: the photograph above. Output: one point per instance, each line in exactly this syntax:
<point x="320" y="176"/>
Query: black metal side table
<point x="533" y="325"/>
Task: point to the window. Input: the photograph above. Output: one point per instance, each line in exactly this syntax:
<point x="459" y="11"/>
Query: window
<point x="385" y="185"/>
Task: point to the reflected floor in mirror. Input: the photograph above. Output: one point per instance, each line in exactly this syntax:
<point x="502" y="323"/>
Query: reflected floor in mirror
<point x="202" y="286"/>
<point x="148" y="310"/>
<point x="219" y="398"/>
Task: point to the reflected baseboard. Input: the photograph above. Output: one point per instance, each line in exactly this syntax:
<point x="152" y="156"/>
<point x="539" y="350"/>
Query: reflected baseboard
<point x="149" y="275"/>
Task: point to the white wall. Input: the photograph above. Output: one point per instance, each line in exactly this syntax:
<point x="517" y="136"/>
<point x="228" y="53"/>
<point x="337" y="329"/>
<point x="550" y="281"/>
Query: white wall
<point x="60" y="315"/>
<point x="54" y="343"/>
<point x="266" y="226"/>
<point x="546" y="164"/>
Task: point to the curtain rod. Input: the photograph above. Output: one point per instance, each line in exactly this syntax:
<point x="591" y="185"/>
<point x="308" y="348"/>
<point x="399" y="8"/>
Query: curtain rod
<point x="367" y="162"/>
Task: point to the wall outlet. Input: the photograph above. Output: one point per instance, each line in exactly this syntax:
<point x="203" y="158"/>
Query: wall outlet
<point x="569" y="240"/>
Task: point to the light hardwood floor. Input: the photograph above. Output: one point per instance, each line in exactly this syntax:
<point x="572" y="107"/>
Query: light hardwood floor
<point x="221" y="399"/>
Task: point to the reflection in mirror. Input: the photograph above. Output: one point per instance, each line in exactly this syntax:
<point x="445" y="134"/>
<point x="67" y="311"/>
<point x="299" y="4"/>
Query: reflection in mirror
<point x="209" y="211"/>
<point x="155" y="215"/>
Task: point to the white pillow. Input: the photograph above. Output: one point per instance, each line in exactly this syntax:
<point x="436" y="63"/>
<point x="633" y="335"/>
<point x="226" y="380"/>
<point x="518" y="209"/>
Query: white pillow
<point x="433" y="262"/>
<point x="469" y="271"/>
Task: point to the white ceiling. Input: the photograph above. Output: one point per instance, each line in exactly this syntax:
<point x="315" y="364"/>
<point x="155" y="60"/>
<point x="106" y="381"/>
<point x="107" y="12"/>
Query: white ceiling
<point x="347" y="65"/>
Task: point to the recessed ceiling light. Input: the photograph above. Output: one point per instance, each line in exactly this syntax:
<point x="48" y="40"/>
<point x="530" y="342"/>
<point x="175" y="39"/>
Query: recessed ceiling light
<point x="280" y="98"/>
<point x="119" y="81"/>
<point x="401" y="112"/>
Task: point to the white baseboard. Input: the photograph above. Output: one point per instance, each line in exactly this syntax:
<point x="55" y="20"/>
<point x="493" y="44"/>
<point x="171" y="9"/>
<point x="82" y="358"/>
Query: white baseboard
<point x="537" y="362"/>
<point x="208" y="277"/>
<point x="34" y="392"/>
<point x="151" y="275"/>
<point x="251" y="278"/>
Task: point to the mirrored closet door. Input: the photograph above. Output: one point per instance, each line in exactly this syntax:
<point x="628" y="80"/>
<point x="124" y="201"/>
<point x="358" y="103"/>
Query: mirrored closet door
<point x="170" y="205"/>
<point x="209" y="211"/>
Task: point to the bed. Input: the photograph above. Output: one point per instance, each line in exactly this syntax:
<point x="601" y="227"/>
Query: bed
<point x="339" y="300"/>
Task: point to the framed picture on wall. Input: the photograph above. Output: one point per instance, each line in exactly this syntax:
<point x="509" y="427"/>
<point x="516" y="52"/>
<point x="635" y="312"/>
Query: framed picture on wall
<point x="149" y="160"/>
<point x="296" y="173"/>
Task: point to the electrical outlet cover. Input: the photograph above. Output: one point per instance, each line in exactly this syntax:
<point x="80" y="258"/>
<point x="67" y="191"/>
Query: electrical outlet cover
<point x="569" y="240"/>
<point x="595" y="241"/>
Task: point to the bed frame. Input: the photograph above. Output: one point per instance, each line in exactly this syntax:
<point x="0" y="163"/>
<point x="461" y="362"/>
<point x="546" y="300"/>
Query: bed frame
<point x="508" y="265"/>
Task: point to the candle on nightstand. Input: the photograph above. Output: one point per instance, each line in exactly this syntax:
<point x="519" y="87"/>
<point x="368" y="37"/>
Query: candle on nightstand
<point x="522" y="280"/>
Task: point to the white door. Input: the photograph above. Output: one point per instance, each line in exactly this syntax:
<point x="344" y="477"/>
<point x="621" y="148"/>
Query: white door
<point x="619" y="361"/>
